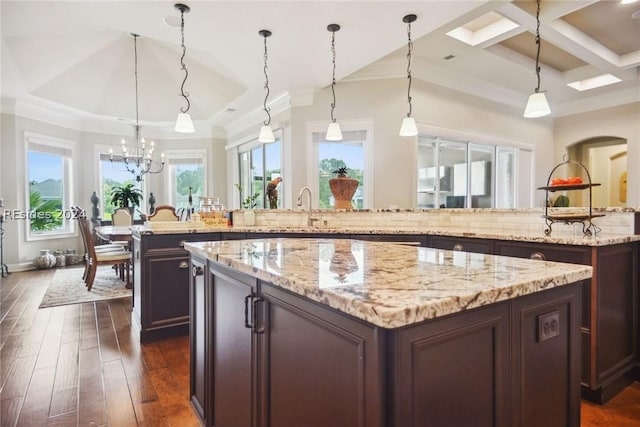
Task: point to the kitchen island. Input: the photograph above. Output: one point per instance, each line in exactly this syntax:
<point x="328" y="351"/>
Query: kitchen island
<point x="319" y="332"/>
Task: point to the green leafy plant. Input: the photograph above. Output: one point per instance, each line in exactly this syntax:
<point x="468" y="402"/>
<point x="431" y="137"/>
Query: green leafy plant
<point x="126" y="196"/>
<point x="341" y="172"/>
<point x="249" y="202"/>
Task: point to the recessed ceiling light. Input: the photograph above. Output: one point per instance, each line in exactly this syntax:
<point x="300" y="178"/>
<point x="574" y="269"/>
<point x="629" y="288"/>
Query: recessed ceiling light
<point x="594" y="82"/>
<point x="172" y="21"/>
<point x="486" y="27"/>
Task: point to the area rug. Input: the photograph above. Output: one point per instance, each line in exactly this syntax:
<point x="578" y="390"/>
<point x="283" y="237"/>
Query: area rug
<point x="67" y="287"/>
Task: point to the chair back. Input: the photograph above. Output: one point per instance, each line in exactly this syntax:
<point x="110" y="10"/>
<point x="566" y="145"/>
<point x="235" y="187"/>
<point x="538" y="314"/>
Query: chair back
<point x="164" y="213"/>
<point x="121" y="217"/>
<point x="87" y="238"/>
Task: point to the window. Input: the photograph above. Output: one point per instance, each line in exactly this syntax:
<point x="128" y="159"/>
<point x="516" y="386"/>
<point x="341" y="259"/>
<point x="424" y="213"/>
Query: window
<point x="332" y="155"/>
<point x="113" y="174"/>
<point x="48" y="173"/>
<point x="186" y="176"/>
<point x="468" y="174"/>
<point x="259" y="164"/>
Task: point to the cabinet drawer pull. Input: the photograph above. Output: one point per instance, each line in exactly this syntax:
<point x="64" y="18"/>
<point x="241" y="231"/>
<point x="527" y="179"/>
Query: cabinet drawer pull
<point x="183" y="265"/>
<point x="246" y="312"/>
<point x="254" y="315"/>
<point x="538" y="256"/>
<point x="181" y="243"/>
<point x="197" y="271"/>
<point x="458" y="247"/>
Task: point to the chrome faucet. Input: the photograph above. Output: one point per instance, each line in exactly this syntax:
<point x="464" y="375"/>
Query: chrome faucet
<point x="302" y="190"/>
<point x="310" y="220"/>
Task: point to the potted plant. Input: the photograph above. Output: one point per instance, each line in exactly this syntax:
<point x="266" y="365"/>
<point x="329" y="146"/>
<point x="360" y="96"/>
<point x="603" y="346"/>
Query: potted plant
<point x="248" y="204"/>
<point x="343" y="188"/>
<point x="126" y="196"/>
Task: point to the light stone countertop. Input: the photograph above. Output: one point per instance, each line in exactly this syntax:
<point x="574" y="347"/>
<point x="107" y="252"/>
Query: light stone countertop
<point x="600" y="239"/>
<point x="387" y="284"/>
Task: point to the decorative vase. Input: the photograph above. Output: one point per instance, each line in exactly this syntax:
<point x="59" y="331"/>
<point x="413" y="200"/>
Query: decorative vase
<point x="60" y="258"/>
<point x="343" y="189"/>
<point x="44" y="260"/>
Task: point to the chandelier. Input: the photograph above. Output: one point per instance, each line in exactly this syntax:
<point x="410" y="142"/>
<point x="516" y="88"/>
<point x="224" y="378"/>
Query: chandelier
<point x="139" y="159"/>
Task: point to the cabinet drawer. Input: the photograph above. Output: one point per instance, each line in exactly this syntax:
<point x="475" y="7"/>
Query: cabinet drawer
<point x="566" y="253"/>
<point x="461" y="244"/>
<point x="173" y="241"/>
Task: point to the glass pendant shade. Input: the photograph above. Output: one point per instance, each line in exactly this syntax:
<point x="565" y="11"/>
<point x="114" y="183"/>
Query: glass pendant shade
<point x="537" y="106"/>
<point x="184" y="123"/>
<point x="266" y="134"/>
<point x="408" y="127"/>
<point x="333" y="132"/>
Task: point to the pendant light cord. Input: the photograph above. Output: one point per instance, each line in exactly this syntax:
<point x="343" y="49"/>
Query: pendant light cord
<point x="409" y="49"/>
<point x="266" y="83"/>
<point x="538" y="46"/>
<point x="333" y="80"/>
<point x="135" y="70"/>
<point x="184" y="94"/>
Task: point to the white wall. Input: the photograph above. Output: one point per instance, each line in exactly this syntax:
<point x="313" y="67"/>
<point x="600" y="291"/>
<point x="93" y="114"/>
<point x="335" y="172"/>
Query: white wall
<point x="619" y="122"/>
<point x="394" y="157"/>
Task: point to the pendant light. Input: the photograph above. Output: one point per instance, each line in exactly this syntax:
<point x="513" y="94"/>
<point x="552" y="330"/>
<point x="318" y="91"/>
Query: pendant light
<point x="184" y="124"/>
<point x="537" y="105"/>
<point x="266" y="133"/>
<point x="333" y="131"/>
<point x="408" y="127"/>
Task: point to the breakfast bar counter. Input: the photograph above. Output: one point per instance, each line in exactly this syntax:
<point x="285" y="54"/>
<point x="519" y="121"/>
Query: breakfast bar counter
<point x="319" y="332"/>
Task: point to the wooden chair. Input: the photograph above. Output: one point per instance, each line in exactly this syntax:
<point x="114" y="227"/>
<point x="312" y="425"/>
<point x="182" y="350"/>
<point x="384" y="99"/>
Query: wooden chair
<point x="121" y="217"/>
<point x="121" y="259"/>
<point x="164" y="213"/>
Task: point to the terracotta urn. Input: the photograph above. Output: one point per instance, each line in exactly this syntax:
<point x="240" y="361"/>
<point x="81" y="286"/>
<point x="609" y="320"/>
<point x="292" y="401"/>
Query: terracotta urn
<point x="343" y="188"/>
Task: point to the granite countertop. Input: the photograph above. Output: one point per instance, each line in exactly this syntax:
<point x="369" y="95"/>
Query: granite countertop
<point x="389" y="285"/>
<point x="600" y="239"/>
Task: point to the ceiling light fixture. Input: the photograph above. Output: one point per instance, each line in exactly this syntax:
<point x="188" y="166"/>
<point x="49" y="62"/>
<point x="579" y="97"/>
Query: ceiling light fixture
<point x="537" y="105"/>
<point x="184" y="123"/>
<point x="266" y="133"/>
<point x="408" y="127"/>
<point x="333" y="131"/>
<point x="139" y="161"/>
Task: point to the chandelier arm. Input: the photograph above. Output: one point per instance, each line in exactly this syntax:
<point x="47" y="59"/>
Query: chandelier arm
<point x="183" y="67"/>
<point x="266" y="83"/>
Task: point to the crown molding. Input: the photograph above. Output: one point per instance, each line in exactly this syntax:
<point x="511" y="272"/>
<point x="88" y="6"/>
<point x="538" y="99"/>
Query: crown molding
<point x="57" y="115"/>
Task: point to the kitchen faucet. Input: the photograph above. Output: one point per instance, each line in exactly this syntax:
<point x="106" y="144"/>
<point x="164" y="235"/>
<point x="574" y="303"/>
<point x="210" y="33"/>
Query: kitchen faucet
<point x="310" y="220"/>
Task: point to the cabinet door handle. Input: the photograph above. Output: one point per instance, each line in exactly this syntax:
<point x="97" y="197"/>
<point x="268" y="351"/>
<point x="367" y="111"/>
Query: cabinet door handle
<point x="197" y="271"/>
<point x="246" y="312"/>
<point x="538" y="256"/>
<point x="458" y="247"/>
<point x="183" y="265"/>
<point x="254" y="315"/>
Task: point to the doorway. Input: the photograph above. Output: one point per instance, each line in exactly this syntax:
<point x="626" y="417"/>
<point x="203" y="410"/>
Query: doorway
<point x="606" y="160"/>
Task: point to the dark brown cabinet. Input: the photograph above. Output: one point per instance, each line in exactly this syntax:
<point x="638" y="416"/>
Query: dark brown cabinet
<point x="609" y="314"/>
<point x="161" y="283"/>
<point x="273" y="358"/>
<point x="465" y="244"/>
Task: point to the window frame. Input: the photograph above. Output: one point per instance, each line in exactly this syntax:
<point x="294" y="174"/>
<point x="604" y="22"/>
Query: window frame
<point x="170" y="179"/>
<point x="247" y="147"/>
<point x="68" y="190"/>
<point x="367" y="147"/>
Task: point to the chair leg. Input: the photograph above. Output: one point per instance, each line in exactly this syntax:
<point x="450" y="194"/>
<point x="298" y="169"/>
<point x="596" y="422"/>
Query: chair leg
<point x="91" y="276"/>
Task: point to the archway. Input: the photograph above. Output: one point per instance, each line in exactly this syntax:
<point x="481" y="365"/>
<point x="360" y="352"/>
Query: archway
<point x="605" y="157"/>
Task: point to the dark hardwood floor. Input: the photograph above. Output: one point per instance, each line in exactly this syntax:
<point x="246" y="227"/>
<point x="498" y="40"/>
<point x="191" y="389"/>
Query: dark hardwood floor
<point x="83" y="365"/>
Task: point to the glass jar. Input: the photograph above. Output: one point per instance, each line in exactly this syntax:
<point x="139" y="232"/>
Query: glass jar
<point x="44" y="260"/>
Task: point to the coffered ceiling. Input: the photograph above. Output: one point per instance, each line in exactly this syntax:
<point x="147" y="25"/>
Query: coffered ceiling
<point x="77" y="56"/>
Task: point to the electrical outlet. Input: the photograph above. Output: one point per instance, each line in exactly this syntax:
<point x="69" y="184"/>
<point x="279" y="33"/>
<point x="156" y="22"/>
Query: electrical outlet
<point x="548" y="325"/>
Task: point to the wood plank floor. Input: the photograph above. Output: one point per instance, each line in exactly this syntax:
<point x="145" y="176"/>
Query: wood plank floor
<point x="83" y="365"/>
